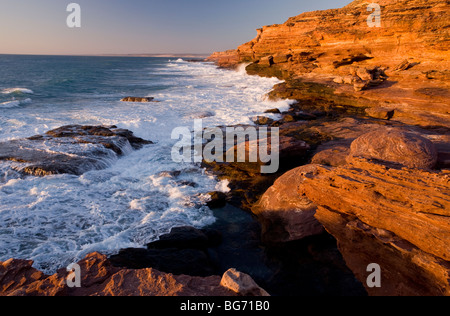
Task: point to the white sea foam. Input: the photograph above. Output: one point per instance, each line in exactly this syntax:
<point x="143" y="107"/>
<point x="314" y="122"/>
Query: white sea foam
<point x="17" y="90"/>
<point x="14" y="103"/>
<point x="57" y="220"/>
<point x="9" y="104"/>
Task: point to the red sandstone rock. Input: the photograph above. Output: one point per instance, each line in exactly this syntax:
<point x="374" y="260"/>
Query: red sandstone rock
<point x="321" y="46"/>
<point x="396" y="146"/>
<point x="100" y="278"/>
<point x="241" y="284"/>
<point x="397" y="218"/>
<point x="285" y="215"/>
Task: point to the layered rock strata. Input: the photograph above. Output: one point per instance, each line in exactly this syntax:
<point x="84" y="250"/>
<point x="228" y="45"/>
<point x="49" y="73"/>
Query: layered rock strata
<point x="397" y="218"/>
<point x="402" y="65"/>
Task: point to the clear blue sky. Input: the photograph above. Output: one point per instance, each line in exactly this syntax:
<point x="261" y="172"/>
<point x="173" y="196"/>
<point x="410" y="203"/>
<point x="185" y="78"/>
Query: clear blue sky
<point x="142" y="26"/>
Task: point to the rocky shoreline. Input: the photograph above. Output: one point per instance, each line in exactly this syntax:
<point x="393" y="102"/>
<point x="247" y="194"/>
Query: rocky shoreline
<point x="364" y="176"/>
<point x="377" y="172"/>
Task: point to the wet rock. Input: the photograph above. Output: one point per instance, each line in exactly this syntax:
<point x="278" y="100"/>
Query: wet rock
<point x="72" y="149"/>
<point x="187" y="237"/>
<point x="262" y="120"/>
<point x="218" y="200"/>
<point x="185" y="250"/>
<point x="138" y="99"/>
<point x="274" y="111"/>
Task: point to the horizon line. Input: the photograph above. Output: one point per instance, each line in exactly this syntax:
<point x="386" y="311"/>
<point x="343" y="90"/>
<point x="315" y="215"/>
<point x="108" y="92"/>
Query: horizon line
<point x="168" y="55"/>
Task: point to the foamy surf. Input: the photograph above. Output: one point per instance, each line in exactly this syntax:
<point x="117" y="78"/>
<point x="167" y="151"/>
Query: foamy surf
<point x="14" y="103"/>
<point x="57" y="220"/>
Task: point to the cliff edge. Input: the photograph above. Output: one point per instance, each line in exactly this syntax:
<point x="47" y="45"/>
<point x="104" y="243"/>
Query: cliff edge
<point x="402" y="63"/>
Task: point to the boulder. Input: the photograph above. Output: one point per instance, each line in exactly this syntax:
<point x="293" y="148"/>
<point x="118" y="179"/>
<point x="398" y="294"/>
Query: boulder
<point x="332" y="153"/>
<point x="284" y="214"/>
<point x="397" y="147"/>
<point x="359" y="84"/>
<point x="262" y="120"/>
<point x="241" y="284"/>
<point x="273" y="111"/>
<point x="405" y="65"/>
<point x="380" y="113"/>
<point x="281" y="58"/>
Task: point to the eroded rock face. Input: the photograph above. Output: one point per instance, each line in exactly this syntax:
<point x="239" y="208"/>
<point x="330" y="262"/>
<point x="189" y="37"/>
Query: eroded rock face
<point x="72" y="149"/>
<point x="285" y="215"/>
<point x="396" y="217"/>
<point x="394" y="146"/>
<point x="100" y="278"/>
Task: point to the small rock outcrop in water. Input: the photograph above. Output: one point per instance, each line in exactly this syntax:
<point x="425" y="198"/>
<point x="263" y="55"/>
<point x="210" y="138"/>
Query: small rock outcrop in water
<point x="138" y="99"/>
<point x="100" y="278"/>
<point x="72" y="149"/>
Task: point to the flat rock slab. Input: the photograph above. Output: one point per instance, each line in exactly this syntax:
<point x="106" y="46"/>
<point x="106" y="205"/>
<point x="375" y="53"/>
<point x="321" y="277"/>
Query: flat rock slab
<point x="72" y="149"/>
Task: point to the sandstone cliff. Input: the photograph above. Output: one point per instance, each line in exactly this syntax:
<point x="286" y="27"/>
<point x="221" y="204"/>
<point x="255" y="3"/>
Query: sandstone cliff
<point x="379" y="182"/>
<point x="402" y="65"/>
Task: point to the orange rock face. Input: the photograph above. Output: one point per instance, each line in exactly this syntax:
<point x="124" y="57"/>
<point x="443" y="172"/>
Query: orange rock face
<point x="397" y="218"/>
<point x="402" y="65"/>
<point x="285" y="215"/>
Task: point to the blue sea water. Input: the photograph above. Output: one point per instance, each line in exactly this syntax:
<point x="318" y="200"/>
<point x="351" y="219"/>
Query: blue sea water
<point x="57" y="220"/>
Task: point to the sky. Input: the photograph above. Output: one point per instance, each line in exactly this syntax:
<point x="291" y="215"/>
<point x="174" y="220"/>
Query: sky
<point x="142" y="26"/>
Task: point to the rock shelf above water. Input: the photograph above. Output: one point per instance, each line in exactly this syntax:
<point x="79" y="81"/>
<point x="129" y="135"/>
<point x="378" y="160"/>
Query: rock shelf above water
<point x="72" y="149"/>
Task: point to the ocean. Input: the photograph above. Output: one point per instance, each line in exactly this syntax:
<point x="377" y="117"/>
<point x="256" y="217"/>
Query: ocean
<point x="57" y="220"/>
